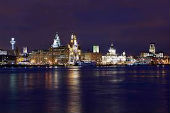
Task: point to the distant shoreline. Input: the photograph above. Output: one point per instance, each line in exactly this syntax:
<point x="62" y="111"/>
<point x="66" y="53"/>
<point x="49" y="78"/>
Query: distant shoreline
<point x="51" y="66"/>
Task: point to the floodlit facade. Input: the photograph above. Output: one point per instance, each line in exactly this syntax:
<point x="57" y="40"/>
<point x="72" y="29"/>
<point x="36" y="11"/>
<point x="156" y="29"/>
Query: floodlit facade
<point x="13" y="43"/>
<point x="25" y="50"/>
<point x="93" y="57"/>
<point x="112" y="58"/>
<point x="74" y="50"/>
<point x="3" y="52"/>
<point x="53" y="56"/>
<point x="95" y="49"/>
<point x="152" y="52"/>
<point x="72" y="55"/>
<point x="59" y="56"/>
<point x="152" y="48"/>
<point x="56" y="42"/>
<point x="6" y="57"/>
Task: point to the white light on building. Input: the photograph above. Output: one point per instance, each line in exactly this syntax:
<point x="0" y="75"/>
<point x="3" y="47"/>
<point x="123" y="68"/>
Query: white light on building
<point x="2" y="52"/>
<point x="112" y="58"/>
<point x="152" y="52"/>
<point x="152" y="48"/>
<point x="25" y="50"/>
<point x="56" y="42"/>
<point x="95" y="49"/>
<point x="13" y="43"/>
<point x="74" y="51"/>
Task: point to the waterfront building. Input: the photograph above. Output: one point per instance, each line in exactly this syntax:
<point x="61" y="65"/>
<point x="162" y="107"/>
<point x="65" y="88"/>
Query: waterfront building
<point x="95" y="49"/>
<point x="112" y="58"/>
<point x="53" y="56"/>
<point x="40" y="57"/>
<point x="152" y="57"/>
<point x="3" y="52"/>
<point x="6" y="58"/>
<point x="23" y="58"/>
<point x="25" y="50"/>
<point x="152" y="48"/>
<point x="91" y="57"/>
<point x="59" y="55"/>
<point x="152" y="52"/>
<point x="56" y="42"/>
<point x="130" y="60"/>
<point x="74" y="50"/>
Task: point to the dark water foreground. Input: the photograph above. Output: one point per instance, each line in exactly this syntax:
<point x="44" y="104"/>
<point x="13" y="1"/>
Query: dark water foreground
<point x="136" y="89"/>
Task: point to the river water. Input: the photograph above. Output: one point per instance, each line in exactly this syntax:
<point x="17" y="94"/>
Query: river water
<point x="117" y="89"/>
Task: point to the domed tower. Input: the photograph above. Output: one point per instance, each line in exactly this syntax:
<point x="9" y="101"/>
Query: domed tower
<point x="56" y="42"/>
<point x="112" y="51"/>
<point x="152" y="48"/>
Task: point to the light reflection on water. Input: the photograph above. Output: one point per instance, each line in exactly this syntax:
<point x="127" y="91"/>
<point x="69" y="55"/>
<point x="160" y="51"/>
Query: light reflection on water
<point x="85" y="90"/>
<point x="74" y="101"/>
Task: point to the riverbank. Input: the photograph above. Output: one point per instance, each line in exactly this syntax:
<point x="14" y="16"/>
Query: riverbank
<point x="49" y="66"/>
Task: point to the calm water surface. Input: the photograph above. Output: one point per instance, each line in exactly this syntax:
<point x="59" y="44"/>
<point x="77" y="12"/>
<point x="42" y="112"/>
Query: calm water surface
<point x="136" y="89"/>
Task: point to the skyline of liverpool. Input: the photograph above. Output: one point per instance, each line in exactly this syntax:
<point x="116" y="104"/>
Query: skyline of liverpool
<point x="129" y="25"/>
<point x="84" y="56"/>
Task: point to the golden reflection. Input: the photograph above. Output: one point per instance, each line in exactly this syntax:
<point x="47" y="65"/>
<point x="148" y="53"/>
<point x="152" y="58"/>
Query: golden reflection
<point x="74" y="92"/>
<point x="55" y="79"/>
<point x="51" y="80"/>
<point x="30" y="80"/>
<point x="48" y="80"/>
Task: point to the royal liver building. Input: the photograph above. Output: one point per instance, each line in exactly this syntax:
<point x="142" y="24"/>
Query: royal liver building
<point x="74" y="50"/>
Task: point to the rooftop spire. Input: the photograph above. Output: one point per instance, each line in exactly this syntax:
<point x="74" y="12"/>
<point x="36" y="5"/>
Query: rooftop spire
<point x="56" y="42"/>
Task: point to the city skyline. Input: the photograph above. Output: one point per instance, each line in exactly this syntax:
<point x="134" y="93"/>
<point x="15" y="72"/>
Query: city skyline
<point x="130" y="25"/>
<point x="85" y="50"/>
<point x="56" y="38"/>
<point x="84" y="56"/>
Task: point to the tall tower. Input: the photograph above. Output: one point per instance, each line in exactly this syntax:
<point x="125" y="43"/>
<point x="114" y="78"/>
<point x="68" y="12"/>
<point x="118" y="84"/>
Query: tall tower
<point x="25" y="50"/>
<point x="112" y="51"/>
<point x="152" y="48"/>
<point x="95" y="49"/>
<point x="74" y="51"/>
<point x="13" y="43"/>
<point x="56" y="42"/>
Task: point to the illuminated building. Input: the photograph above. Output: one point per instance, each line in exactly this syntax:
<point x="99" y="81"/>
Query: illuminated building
<point x="3" y="52"/>
<point x="112" y="58"/>
<point x="6" y="58"/>
<point x="23" y="59"/>
<point x="59" y="55"/>
<point x="130" y="60"/>
<point x="152" y="48"/>
<point x="74" y="50"/>
<point x="152" y="52"/>
<point x="95" y="49"/>
<point x="56" y="42"/>
<point x="13" y="43"/>
<point x="25" y="50"/>
<point x="40" y="57"/>
<point x="94" y="57"/>
<point x="53" y="56"/>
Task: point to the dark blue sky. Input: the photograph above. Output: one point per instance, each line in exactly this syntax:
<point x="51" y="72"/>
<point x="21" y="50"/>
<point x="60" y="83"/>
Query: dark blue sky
<point x="130" y="24"/>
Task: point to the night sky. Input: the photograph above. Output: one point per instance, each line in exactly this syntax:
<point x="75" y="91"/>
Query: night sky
<point x="130" y="24"/>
